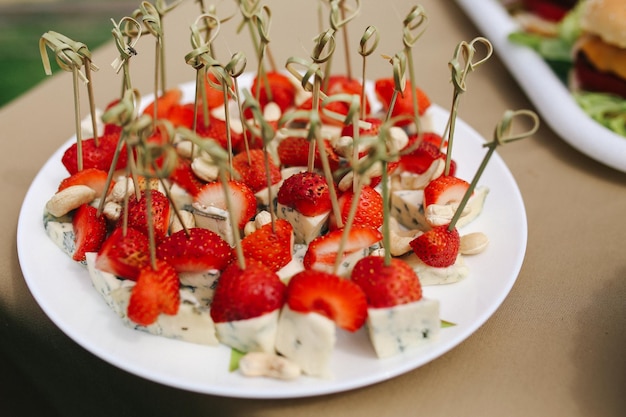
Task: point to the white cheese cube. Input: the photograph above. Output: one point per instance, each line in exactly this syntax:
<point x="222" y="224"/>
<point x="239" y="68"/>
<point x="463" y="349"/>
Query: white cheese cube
<point x="257" y="334"/>
<point x="394" y="330"/>
<point x="307" y="339"/>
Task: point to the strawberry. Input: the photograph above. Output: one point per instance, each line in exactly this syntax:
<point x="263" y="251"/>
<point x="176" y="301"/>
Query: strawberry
<point x="273" y="248"/>
<point x="248" y="293"/>
<point x="369" y="210"/>
<point x="138" y="214"/>
<point x="216" y="130"/>
<point x="322" y="251"/>
<point x="386" y="285"/>
<point x="91" y="177"/>
<point x="181" y="115"/>
<point x="445" y="189"/>
<point x="251" y="168"/>
<point x="337" y="107"/>
<point x="437" y="247"/>
<point x="403" y="106"/>
<point x="340" y="84"/>
<point x="419" y="159"/>
<point x="372" y="131"/>
<point x="198" y="251"/>
<point x="294" y="152"/>
<point x="307" y="192"/>
<point x="89" y="231"/>
<point x="164" y="103"/>
<point x="156" y="292"/>
<point x="124" y="255"/>
<point x="184" y="176"/>
<point x="338" y="299"/>
<point x="100" y="156"/>
<point x="282" y="90"/>
<point x="242" y="198"/>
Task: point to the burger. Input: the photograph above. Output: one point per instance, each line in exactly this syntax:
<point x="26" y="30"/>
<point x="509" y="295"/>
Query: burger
<point x="600" y="52"/>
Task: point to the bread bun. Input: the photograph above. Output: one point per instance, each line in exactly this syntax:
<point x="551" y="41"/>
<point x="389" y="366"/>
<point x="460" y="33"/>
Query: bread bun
<point x="606" y="19"/>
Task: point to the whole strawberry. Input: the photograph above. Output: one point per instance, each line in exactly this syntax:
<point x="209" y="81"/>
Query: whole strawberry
<point x="386" y="285"/>
<point x="251" y="168"/>
<point x="437" y="247"/>
<point x="100" y="157"/>
<point x="369" y="212"/>
<point x="196" y="251"/>
<point x="248" y="293"/>
<point x="307" y="192"/>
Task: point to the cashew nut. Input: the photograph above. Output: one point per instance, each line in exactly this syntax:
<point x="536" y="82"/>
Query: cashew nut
<point x="267" y="364"/>
<point x="204" y="169"/>
<point x="473" y="243"/>
<point x="69" y="199"/>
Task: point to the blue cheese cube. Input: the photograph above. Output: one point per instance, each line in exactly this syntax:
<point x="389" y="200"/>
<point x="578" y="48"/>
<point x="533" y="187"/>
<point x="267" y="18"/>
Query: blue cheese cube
<point x="407" y="208"/>
<point x="257" y="334"/>
<point x="305" y="228"/>
<point x="214" y="219"/>
<point x="430" y="275"/>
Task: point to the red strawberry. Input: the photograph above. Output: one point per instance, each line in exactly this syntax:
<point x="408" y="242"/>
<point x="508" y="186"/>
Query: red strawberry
<point x="403" y="106"/>
<point x="138" y="214"/>
<point x="307" y="192"/>
<point x="294" y="152"/>
<point x="251" y="168"/>
<point x="124" y="255"/>
<point x="214" y="96"/>
<point x="185" y="178"/>
<point x="341" y="300"/>
<point x="245" y="294"/>
<point x="89" y="231"/>
<point x="100" y="157"/>
<point x="445" y="189"/>
<point x="273" y="248"/>
<point x="336" y="107"/>
<point x="242" y="198"/>
<point x="164" y="103"/>
<point x="181" y="115"/>
<point x="340" y="84"/>
<point x="199" y="251"/>
<point x="369" y="210"/>
<point x="437" y="247"/>
<point x="363" y="133"/>
<point x="91" y="177"/>
<point x="419" y="159"/>
<point x="282" y="91"/>
<point x="216" y="130"/>
<point x="386" y="285"/>
<point x="322" y="251"/>
<point x="156" y="292"/>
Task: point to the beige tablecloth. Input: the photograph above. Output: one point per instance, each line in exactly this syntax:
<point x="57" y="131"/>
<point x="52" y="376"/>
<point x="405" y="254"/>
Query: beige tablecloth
<point x="556" y="346"/>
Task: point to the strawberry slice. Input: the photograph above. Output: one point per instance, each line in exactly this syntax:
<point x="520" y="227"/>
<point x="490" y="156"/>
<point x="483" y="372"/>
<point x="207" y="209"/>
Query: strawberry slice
<point x="445" y="189"/>
<point x="322" y="251"/>
<point x="437" y="247"/>
<point x="198" y="251"/>
<point x="248" y="293"/>
<point x="271" y="247"/>
<point x="89" y="231"/>
<point x="386" y="285"/>
<point x="338" y="299"/>
<point x="164" y="103"/>
<point x="241" y="196"/>
<point x="282" y="90"/>
<point x="251" y="168"/>
<point x="138" y="213"/>
<point x="403" y="106"/>
<point x="294" y="152"/>
<point x="156" y="292"/>
<point x="91" y="177"/>
<point x="307" y="192"/>
<point x="100" y="156"/>
<point x="369" y="211"/>
<point x="186" y="179"/>
<point x="124" y="255"/>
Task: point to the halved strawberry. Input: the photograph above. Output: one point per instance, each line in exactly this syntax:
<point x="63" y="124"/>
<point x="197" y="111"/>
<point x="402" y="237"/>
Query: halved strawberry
<point x="156" y="292"/>
<point x="216" y="130"/>
<point x="294" y="152"/>
<point x="338" y="299"/>
<point x="341" y="84"/>
<point x="164" y="103"/>
<point x="437" y="247"/>
<point x="386" y="285"/>
<point x="307" y="192"/>
<point x="138" y="213"/>
<point x="403" y="106"/>
<point x="282" y="90"/>
<point x="271" y="247"/>
<point x="445" y="189"/>
<point x="241" y="196"/>
<point x="248" y="293"/>
<point x="89" y="231"/>
<point x="100" y="156"/>
<point x="322" y="251"/>
<point x="93" y="178"/>
<point x="369" y="210"/>
<point x="124" y="255"/>
<point x="372" y="131"/>
<point x="186" y="179"/>
<point x="198" y="251"/>
<point x="251" y="168"/>
<point x="419" y="159"/>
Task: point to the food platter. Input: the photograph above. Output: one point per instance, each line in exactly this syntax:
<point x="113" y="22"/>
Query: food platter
<point x="549" y="95"/>
<point x="64" y="291"/>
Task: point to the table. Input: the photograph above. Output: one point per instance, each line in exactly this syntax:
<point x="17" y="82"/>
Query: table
<point x="554" y="348"/>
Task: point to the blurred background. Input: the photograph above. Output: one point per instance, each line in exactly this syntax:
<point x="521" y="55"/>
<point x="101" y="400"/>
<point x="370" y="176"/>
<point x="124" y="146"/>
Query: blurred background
<point x="22" y="22"/>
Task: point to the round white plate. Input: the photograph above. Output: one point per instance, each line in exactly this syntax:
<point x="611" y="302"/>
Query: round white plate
<point x="551" y="97"/>
<point x="63" y="290"/>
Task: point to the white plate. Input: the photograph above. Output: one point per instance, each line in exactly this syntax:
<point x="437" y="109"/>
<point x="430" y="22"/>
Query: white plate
<point x="543" y="87"/>
<point x="64" y="291"/>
